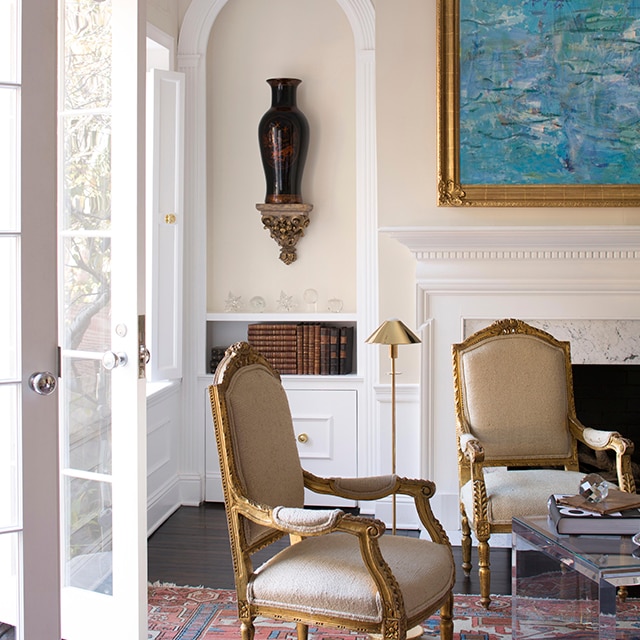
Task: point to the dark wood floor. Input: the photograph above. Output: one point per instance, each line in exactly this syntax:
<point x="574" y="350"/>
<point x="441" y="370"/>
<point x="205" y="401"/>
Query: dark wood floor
<point x="192" y="548"/>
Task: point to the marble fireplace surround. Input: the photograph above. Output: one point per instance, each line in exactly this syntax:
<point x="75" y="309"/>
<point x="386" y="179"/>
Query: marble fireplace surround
<point x="581" y="284"/>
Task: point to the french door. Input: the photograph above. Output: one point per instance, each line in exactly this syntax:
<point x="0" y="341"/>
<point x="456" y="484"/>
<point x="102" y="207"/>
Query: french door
<point x="101" y="299"/>
<point x="72" y="448"/>
<point x="29" y="540"/>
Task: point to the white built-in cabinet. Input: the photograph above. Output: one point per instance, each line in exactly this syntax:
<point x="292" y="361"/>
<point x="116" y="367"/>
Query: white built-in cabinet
<point x="324" y="408"/>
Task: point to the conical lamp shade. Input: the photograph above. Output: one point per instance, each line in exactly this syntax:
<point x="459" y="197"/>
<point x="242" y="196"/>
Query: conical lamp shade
<point x="393" y="331"/>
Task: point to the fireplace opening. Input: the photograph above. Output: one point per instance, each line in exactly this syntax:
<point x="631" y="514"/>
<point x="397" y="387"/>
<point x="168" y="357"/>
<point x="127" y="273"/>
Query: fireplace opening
<point x="607" y="396"/>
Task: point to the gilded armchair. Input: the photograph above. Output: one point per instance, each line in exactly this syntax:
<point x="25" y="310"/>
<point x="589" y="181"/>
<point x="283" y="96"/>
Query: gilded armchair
<point x="517" y="432"/>
<point x="340" y="570"/>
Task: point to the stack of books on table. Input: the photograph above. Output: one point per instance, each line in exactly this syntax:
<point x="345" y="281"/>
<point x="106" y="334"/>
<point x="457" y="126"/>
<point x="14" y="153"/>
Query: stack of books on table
<point x="304" y="348"/>
<point x="618" y="514"/>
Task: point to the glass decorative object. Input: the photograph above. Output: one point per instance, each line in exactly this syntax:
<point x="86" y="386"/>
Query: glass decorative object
<point x="310" y="297"/>
<point x="335" y="305"/>
<point x="258" y="304"/>
<point x="594" y="488"/>
<point x="285" y="302"/>
<point x="233" y="303"/>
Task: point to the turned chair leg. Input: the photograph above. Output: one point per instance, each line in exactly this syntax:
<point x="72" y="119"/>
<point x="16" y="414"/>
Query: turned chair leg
<point x="465" y="544"/>
<point x="247" y="630"/>
<point x="446" y="619"/>
<point x="485" y="572"/>
<point x="303" y="630"/>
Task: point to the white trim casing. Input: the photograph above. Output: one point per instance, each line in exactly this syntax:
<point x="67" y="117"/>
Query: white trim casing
<point x="589" y="273"/>
<point x="193" y="42"/>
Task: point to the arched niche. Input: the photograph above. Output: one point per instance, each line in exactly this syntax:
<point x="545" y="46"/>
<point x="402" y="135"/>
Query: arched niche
<point x="192" y="60"/>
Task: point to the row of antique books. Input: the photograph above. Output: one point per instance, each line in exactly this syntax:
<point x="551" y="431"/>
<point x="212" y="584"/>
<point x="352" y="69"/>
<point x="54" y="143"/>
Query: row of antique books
<point x="304" y="348"/>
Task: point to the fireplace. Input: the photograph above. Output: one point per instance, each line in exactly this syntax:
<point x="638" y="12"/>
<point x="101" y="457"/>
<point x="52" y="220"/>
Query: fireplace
<point x="580" y="284"/>
<point x="608" y="397"/>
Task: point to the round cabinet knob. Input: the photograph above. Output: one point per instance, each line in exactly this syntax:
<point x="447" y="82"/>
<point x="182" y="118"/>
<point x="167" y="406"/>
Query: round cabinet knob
<point x="43" y="383"/>
<point x="111" y="360"/>
<point x="303" y="437"/>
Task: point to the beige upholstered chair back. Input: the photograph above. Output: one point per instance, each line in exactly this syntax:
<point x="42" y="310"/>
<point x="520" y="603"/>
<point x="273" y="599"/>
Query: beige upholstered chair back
<point x="514" y="396"/>
<point x="258" y="442"/>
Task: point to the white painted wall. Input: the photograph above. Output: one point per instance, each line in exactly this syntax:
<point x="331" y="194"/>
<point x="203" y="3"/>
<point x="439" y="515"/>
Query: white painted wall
<point x="315" y="43"/>
<point x="251" y="41"/>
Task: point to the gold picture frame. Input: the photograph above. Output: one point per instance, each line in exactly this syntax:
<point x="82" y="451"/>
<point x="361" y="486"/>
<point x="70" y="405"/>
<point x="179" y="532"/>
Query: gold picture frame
<point x="466" y="187"/>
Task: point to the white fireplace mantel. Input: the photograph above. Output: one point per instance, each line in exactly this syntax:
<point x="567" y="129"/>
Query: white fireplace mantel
<point x="589" y="242"/>
<point x="580" y="282"/>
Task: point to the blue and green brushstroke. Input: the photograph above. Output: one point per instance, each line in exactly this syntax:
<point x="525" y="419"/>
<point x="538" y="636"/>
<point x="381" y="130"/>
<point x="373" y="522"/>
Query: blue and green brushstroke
<point x="550" y="92"/>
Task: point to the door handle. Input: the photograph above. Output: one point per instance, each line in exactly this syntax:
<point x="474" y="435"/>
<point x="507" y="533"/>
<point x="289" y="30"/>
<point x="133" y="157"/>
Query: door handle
<point x="43" y="383"/>
<point x="111" y="360"/>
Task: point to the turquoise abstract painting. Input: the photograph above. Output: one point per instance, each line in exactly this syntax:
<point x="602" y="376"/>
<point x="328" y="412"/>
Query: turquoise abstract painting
<point x="549" y="92"/>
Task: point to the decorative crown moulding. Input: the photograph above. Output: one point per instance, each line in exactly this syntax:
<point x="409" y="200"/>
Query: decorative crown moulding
<point x="520" y="243"/>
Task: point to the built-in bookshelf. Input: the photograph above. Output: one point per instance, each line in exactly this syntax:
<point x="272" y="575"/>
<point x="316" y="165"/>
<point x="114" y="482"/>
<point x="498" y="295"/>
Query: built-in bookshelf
<point x="324" y="408"/>
<point x="306" y="344"/>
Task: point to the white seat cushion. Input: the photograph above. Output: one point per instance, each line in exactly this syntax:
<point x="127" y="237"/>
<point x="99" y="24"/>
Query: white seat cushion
<point x="326" y="575"/>
<point x="520" y="492"/>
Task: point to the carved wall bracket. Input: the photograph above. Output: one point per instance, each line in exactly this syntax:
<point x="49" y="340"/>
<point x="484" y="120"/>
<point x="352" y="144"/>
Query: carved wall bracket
<point x="286" y="224"/>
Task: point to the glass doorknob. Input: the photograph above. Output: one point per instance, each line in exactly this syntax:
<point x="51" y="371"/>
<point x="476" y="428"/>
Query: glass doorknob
<point x="111" y="360"/>
<point x="43" y="383"/>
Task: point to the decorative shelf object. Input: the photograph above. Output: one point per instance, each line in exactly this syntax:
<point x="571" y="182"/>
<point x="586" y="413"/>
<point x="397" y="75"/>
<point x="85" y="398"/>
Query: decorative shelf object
<point x="286" y="224"/>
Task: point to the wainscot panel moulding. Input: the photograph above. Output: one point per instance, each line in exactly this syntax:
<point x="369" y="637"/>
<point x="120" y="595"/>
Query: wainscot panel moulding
<point x="550" y="126"/>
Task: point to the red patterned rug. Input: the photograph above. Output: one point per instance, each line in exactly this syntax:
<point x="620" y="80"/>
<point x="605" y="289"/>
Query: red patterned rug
<point x="190" y="613"/>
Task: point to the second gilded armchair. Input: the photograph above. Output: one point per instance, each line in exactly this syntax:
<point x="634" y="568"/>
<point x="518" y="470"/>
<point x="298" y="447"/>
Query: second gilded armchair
<point x="517" y="432"/>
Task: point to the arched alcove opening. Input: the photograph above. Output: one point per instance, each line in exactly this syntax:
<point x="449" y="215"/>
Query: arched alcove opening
<point x="192" y="60"/>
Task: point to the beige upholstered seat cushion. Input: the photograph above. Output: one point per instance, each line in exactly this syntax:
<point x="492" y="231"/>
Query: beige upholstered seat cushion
<point x="520" y="492"/>
<point x="326" y="575"/>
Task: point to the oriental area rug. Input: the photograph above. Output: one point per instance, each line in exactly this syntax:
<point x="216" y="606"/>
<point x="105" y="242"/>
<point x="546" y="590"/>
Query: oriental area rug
<point x="191" y="613"/>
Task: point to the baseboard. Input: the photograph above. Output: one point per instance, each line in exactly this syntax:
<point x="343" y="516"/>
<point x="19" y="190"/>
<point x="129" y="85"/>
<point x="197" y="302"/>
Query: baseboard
<point x="191" y="489"/>
<point x="162" y="504"/>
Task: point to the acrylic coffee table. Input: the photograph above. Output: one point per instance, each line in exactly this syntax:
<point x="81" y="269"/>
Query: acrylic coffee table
<point x="567" y="581"/>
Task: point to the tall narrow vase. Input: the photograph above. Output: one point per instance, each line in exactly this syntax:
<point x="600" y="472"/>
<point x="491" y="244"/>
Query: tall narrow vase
<point x="283" y="135"/>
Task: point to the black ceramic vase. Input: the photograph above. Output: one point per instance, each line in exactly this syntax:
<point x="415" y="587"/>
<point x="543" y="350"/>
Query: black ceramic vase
<point x="283" y="135"/>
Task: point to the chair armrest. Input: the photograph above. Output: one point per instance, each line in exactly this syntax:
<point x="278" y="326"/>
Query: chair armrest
<point x="366" y="488"/>
<point x="306" y="522"/>
<point x="368" y="531"/>
<point x="471" y="448"/>
<point x="376" y="487"/>
<point x="601" y="440"/>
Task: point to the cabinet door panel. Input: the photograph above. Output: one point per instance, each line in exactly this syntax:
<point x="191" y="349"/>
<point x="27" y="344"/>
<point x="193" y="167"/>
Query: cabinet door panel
<point x="325" y="424"/>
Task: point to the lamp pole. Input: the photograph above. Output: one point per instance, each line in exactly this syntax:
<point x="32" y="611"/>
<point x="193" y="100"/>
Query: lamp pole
<point x="393" y="354"/>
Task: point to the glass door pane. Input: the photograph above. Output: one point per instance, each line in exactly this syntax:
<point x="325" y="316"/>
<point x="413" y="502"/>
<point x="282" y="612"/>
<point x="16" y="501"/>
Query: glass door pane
<point x="102" y="402"/>
<point x="10" y="469"/>
<point x="85" y="241"/>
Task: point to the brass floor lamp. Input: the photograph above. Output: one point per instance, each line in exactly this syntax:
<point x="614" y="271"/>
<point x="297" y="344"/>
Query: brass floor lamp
<point x="393" y="332"/>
